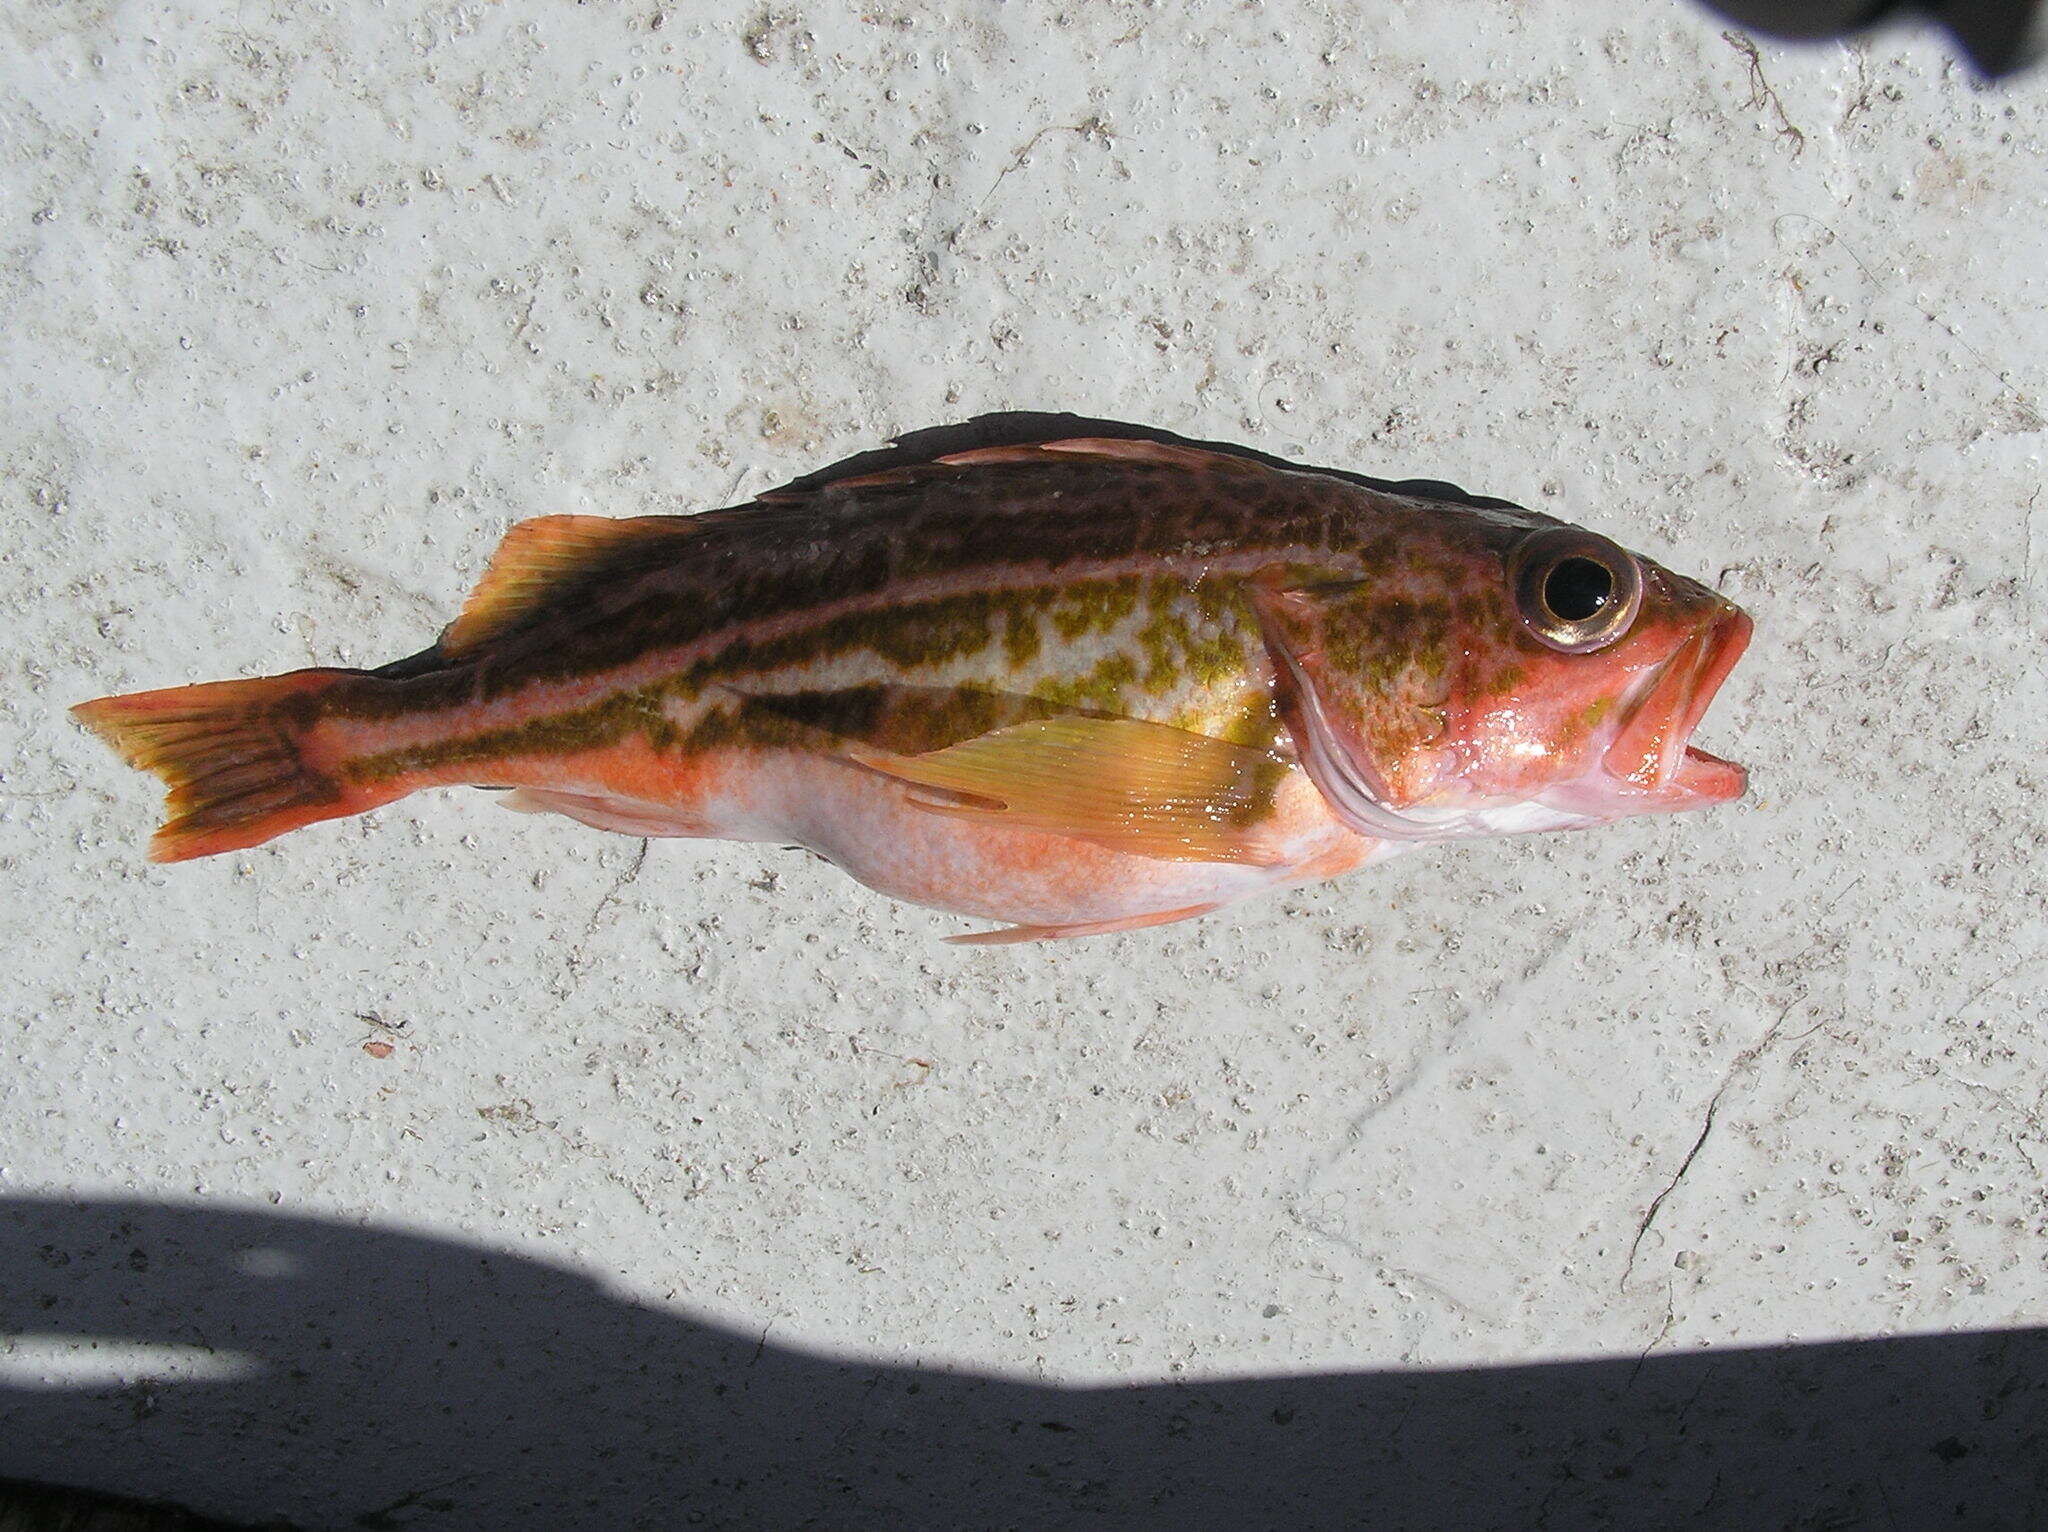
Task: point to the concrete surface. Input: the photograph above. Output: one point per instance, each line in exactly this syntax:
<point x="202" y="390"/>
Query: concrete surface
<point x="302" y="306"/>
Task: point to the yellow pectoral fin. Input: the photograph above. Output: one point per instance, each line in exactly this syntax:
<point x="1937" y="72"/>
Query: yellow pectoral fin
<point x="1145" y="788"/>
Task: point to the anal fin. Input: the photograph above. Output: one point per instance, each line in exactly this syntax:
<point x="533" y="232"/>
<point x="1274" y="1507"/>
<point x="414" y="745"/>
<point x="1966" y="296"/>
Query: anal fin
<point x="626" y="816"/>
<point x="1010" y="935"/>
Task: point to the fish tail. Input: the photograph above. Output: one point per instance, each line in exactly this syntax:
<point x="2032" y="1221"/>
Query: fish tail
<point x="234" y="755"/>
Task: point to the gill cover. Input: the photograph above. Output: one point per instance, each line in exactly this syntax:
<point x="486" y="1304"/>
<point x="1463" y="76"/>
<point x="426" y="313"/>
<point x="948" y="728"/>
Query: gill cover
<point x="1365" y="749"/>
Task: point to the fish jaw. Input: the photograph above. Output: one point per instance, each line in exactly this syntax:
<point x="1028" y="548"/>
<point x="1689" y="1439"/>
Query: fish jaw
<point x="1652" y="749"/>
<point x="1649" y="764"/>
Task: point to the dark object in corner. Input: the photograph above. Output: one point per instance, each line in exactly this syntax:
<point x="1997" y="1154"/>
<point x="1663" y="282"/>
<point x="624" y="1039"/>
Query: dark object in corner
<point x="27" y="1507"/>
<point x="2000" y="37"/>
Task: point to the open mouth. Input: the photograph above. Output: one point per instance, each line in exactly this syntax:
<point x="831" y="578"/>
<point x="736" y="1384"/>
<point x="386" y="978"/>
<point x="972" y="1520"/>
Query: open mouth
<point x="1652" y="749"/>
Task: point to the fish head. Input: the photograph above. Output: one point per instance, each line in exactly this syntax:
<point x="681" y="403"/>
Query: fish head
<point x="1486" y="672"/>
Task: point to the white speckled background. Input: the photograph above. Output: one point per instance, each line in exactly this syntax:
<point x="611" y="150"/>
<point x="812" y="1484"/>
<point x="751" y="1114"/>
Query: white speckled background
<point x="302" y="306"/>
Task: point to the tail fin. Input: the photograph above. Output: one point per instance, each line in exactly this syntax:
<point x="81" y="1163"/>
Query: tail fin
<point x="232" y="754"/>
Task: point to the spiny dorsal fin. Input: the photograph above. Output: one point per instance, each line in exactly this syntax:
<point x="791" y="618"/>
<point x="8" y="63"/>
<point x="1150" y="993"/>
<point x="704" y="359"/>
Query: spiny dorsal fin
<point x="1128" y="452"/>
<point x="543" y="560"/>
<point x="1120" y="449"/>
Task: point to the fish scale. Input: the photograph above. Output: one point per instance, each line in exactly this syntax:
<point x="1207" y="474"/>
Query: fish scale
<point x="1078" y="686"/>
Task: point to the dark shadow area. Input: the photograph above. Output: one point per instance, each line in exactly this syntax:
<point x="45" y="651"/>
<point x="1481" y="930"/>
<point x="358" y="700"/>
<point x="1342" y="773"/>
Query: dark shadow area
<point x="1998" y="37"/>
<point x="394" y="1380"/>
<point x="27" y="1507"/>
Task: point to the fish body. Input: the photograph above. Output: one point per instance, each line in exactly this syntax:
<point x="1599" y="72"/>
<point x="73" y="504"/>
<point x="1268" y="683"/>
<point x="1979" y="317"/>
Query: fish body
<point x="1076" y="687"/>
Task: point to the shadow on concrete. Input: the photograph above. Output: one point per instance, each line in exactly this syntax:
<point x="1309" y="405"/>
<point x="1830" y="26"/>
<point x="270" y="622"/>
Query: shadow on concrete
<point x="395" y="1380"/>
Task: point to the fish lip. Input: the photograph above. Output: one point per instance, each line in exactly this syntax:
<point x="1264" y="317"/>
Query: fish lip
<point x="1651" y="750"/>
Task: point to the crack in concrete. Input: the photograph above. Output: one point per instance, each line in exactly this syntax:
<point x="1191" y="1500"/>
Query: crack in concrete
<point x="1743" y="1061"/>
<point x="1986" y="988"/>
<point x="1091" y="127"/>
<point x="1663" y="1330"/>
<point x="572" y="964"/>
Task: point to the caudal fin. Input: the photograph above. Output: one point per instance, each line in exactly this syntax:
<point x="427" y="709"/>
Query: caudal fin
<point x="233" y="755"/>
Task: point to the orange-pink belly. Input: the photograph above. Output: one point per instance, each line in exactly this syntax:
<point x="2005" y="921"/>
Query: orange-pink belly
<point x="862" y="822"/>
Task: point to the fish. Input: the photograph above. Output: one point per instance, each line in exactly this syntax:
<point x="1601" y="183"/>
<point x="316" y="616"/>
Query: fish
<point x="1074" y="687"/>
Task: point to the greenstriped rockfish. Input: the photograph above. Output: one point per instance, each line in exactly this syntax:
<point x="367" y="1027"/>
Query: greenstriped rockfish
<point x="1080" y="686"/>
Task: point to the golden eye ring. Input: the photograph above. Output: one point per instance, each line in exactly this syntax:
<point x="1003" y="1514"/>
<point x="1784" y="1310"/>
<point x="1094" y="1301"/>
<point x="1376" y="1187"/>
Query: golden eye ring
<point x="1575" y="591"/>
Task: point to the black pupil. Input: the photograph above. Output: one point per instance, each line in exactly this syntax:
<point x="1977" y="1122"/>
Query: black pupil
<point x="1577" y="588"/>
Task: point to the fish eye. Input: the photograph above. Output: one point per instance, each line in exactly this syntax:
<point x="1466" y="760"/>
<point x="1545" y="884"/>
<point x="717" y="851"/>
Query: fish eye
<point x="1575" y="591"/>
